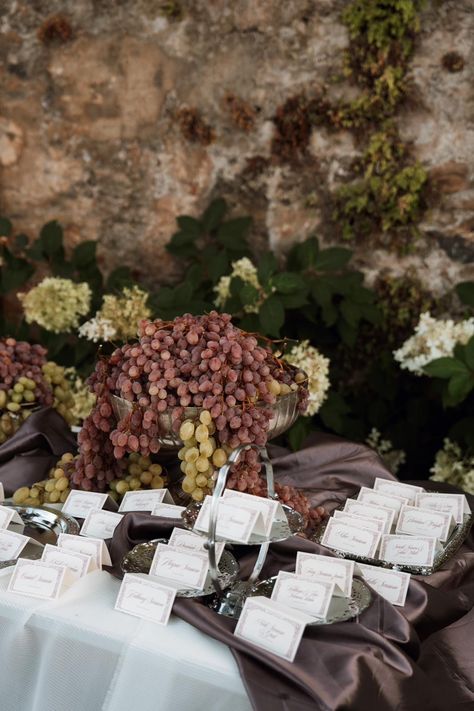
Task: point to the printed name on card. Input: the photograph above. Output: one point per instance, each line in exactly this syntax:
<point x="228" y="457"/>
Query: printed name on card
<point x="186" y="569"/>
<point x="79" y="503"/>
<point x="376" y="498"/>
<point x="93" y="547"/>
<point x="373" y="524"/>
<point x="408" y="550"/>
<point x="346" y="537"/>
<point x="12" y="544"/>
<point x="390" y="584"/>
<point x="189" y="541"/>
<point x="168" y="510"/>
<point x="77" y="563"/>
<point x="377" y="513"/>
<point x="8" y="516"/>
<point x="143" y="597"/>
<point x="455" y="504"/>
<point x="234" y="523"/>
<point x="100" y="524"/>
<point x="36" y="578"/>
<point x="270" y="509"/>
<point x="331" y="570"/>
<point x="145" y="500"/>
<point x="422" y="522"/>
<point x="398" y="488"/>
<point x="272" y="626"/>
<point x="310" y="596"/>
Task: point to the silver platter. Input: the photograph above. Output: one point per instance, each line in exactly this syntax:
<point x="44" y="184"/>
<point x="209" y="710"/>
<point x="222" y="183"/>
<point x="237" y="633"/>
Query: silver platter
<point x="449" y="549"/>
<point x="281" y="530"/>
<point x="340" y="609"/>
<point x="139" y="559"/>
<point x="284" y="414"/>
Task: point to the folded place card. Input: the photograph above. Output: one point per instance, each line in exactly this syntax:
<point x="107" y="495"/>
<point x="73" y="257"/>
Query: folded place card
<point x="36" y="578"/>
<point x="390" y="584"/>
<point x="8" y="516"/>
<point x="398" y="488"/>
<point x="144" y="500"/>
<point x="331" y="570"/>
<point x="372" y="523"/>
<point x="455" y="504"/>
<point x="272" y="626"/>
<point x="168" y="510"/>
<point x="146" y="598"/>
<point x="423" y="522"/>
<point x="2" y="493"/>
<point x="377" y="513"/>
<point x="347" y="537"/>
<point x="187" y="569"/>
<point x="310" y="596"/>
<point x="270" y="509"/>
<point x="376" y="498"/>
<point x="79" y="503"/>
<point x="78" y="564"/>
<point x="408" y="550"/>
<point x="234" y="522"/>
<point x="100" y="524"/>
<point x="187" y="540"/>
<point x="94" y="547"/>
<point x="12" y="544"/>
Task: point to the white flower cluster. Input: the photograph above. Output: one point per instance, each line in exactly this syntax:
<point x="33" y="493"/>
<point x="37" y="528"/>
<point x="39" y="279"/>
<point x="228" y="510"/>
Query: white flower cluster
<point x="56" y="304"/>
<point x="118" y="316"/>
<point x="247" y="271"/>
<point x="451" y="466"/>
<point x="316" y="367"/>
<point x="392" y="458"/>
<point x="98" y="329"/>
<point x="433" y="338"/>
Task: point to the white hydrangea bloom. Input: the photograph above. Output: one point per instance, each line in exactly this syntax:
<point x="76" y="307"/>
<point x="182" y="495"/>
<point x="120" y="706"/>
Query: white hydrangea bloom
<point x="393" y="458"/>
<point x="97" y="329"/>
<point x="247" y="271"/>
<point x="316" y="367"/>
<point x="451" y="466"/>
<point x="433" y="338"/>
<point x="56" y="304"/>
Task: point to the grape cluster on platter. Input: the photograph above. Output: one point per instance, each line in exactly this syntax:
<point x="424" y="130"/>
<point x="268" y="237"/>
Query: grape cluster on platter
<point x="203" y="362"/>
<point x="53" y="490"/>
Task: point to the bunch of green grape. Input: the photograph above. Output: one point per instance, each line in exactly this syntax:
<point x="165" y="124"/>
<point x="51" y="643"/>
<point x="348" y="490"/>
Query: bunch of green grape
<point x="12" y="406"/>
<point x="141" y="473"/>
<point x="200" y="456"/>
<point x="55" y="376"/>
<point x="53" y="490"/>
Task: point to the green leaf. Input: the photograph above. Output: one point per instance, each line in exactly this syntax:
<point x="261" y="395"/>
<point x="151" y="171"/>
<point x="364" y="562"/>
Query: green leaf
<point x="36" y="250"/>
<point x="15" y="273"/>
<point x="218" y="265"/>
<point x="248" y="294"/>
<point x="293" y="301"/>
<point x="272" y="315"/>
<point x="298" y="433"/>
<point x="189" y="225"/>
<point x="321" y="292"/>
<point x="181" y="244"/>
<point x="232" y="234"/>
<point x="119" y="278"/>
<point x="333" y="412"/>
<point x="333" y="258"/>
<point x="288" y="282"/>
<point x="351" y="312"/>
<point x="84" y="254"/>
<point x="304" y="254"/>
<point x="266" y="267"/>
<point x="469" y="353"/>
<point x="250" y="323"/>
<point x="347" y="332"/>
<point x="5" y="227"/>
<point x="236" y="286"/>
<point x="459" y="387"/>
<point x="445" y="368"/>
<point x="213" y="214"/>
<point x="21" y="241"/>
<point x="194" y="275"/>
<point x="465" y="291"/>
<point x="51" y="237"/>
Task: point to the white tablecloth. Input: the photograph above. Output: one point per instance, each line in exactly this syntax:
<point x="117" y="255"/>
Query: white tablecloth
<point x="79" y="654"/>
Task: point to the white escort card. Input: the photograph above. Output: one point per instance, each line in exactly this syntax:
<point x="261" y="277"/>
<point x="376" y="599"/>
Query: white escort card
<point x="397" y="488"/>
<point x="347" y="537"/>
<point x="145" y="500"/>
<point x="8" y="516"/>
<point x="94" y="547"/>
<point x="100" y="524"/>
<point x="331" y="570"/>
<point x="310" y="596"/>
<point x="390" y="584"/>
<point x="143" y="597"/>
<point x="187" y="569"/>
<point x="12" y="544"/>
<point x="373" y="524"/>
<point x="2" y="493"/>
<point x="189" y="541"/>
<point x="78" y="564"/>
<point x="38" y="579"/>
<point x="408" y="550"/>
<point x="455" y="504"/>
<point x="376" y="498"/>
<point x="270" y="509"/>
<point x="377" y="513"/>
<point x="422" y="522"/>
<point x="272" y="626"/>
<point x="79" y="503"/>
<point x="168" y="510"/>
<point x="234" y="523"/>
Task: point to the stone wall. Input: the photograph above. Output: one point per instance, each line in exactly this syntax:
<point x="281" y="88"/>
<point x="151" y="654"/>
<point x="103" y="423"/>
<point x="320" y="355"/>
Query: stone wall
<point x="118" y="115"/>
